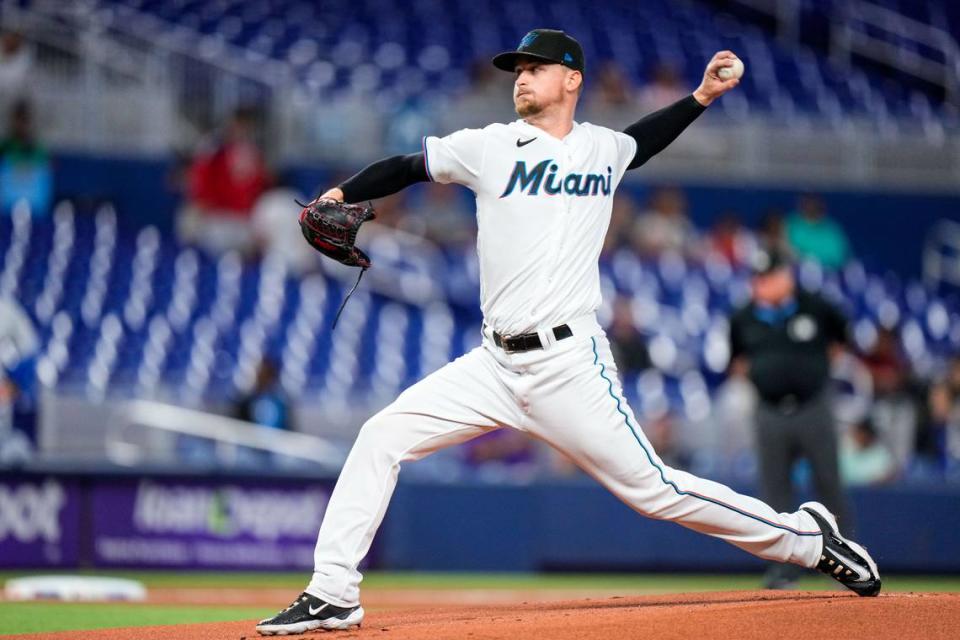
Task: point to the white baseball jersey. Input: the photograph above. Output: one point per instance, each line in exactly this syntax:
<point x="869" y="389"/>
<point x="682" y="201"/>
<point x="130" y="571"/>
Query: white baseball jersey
<point x="543" y="208"/>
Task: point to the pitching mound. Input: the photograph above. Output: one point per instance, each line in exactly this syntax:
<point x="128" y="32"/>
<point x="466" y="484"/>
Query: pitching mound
<point x="731" y="615"/>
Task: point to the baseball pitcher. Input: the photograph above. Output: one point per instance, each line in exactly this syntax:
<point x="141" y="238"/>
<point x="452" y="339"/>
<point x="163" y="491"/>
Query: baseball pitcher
<point x="544" y="187"/>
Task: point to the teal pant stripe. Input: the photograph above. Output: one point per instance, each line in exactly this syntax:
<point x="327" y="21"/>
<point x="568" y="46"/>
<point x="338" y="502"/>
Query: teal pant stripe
<point x="663" y="477"/>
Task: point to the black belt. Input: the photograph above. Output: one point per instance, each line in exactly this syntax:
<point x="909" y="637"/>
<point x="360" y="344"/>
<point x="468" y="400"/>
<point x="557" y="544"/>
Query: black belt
<point x="528" y="341"/>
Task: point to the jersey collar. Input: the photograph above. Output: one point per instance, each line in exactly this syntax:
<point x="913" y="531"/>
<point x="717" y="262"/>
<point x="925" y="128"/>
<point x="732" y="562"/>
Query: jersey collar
<point x="532" y="130"/>
<point x="773" y="314"/>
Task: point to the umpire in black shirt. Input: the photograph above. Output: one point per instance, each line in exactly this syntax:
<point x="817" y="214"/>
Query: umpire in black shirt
<point x="782" y="340"/>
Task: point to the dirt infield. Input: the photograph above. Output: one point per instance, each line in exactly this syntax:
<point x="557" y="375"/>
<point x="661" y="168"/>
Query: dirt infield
<point x="743" y="615"/>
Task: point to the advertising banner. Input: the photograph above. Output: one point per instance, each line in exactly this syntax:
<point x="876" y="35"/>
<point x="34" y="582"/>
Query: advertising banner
<point x="39" y="522"/>
<point x="201" y="524"/>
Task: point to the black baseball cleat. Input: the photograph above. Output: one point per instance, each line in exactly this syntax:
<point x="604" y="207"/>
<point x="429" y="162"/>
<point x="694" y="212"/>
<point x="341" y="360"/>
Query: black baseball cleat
<point x="843" y="560"/>
<point x="308" y="613"/>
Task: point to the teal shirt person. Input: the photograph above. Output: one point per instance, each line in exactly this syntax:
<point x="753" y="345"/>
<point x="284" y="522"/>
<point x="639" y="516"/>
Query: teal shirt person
<point x="814" y="236"/>
<point x="25" y="174"/>
<point x="26" y="171"/>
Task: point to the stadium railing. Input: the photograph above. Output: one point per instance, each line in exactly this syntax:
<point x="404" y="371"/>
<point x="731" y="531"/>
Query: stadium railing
<point x="893" y="39"/>
<point x="153" y="431"/>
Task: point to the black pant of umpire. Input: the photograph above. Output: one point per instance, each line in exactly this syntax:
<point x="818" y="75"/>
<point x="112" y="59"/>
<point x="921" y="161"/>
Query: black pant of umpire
<point x="786" y="432"/>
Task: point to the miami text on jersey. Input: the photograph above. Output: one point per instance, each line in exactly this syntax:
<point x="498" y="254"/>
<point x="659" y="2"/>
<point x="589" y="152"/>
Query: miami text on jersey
<point x="575" y="184"/>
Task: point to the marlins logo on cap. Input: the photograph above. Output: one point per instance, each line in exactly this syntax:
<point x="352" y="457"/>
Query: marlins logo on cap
<point x="549" y="45"/>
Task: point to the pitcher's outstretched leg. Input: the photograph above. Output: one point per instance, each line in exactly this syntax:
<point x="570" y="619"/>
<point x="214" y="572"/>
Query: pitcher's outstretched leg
<point x="583" y="413"/>
<point x="460" y="401"/>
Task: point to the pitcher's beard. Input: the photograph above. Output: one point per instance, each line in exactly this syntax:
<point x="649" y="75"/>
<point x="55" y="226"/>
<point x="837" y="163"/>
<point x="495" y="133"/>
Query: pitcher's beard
<point x="527" y="108"/>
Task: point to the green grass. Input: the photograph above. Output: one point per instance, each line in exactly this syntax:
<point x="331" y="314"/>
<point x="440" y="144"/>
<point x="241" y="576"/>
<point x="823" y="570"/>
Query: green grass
<point x="657" y="583"/>
<point x="36" y="617"/>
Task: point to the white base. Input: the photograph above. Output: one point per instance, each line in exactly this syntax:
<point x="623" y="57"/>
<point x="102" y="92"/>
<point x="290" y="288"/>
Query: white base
<point x="88" y="588"/>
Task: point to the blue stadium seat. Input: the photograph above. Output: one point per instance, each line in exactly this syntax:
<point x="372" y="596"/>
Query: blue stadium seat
<point x="137" y="313"/>
<point x="638" y="35"/>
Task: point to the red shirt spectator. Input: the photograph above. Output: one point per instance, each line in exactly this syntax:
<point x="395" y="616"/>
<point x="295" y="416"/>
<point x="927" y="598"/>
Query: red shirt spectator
<point x="229" y="180"/>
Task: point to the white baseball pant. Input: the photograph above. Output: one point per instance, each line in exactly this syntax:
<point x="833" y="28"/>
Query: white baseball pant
<point x="568" y="395"/>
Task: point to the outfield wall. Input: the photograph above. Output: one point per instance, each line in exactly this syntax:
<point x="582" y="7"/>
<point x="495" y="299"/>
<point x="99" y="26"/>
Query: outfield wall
<point x="243" y="522"/>
<point x="159" y="521"/>
<point x="583" y="527"/>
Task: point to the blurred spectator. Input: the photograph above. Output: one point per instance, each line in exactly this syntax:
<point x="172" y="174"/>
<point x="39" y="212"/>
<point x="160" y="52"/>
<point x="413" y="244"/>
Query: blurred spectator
<point x="885" y="359"/>
<point x="730" y="239"/>
<point x="852" y="388"/>
<point x="628" y="346"/>
<point x="391" y="211"/>
<point x="266" y="404"/>
<point x="19" y="345"/>
<point x="504" y="454"/>
<point x="734" y="418"/>
<point x="782" y="339"/>
<point x="408" y="123"/>
<point x="26" y="172"/>
<point x="814" y="235"/>
<point x="944" y="402"/>
<point x="664" y="226"/>
<point x="864" y="460"/>
<point x="665" y="87"/>
<point x="613" y="89"/>
<point x="16" y="60"/>
<point x="894" y="412"/>
<point x="224" y="183"/>
<point x="772" y="233"/>
<point x="622" y="218"/>
<point x="485" y="99"/>
<point x="611" y="98"/>
<point x="277" y="232"/>
<point x="440" y="214"/>
<point x="661" y="430"/>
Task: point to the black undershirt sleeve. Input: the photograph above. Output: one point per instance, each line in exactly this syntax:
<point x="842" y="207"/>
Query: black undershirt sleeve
<point x="656" y="130"/>
<point x="385" y="177"/>
<point x="653" y="133"/>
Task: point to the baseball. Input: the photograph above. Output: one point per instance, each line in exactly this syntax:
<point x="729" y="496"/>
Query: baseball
<point x="734" y="71"/>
